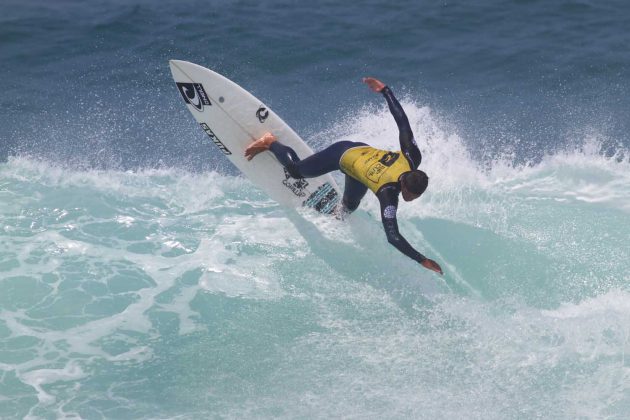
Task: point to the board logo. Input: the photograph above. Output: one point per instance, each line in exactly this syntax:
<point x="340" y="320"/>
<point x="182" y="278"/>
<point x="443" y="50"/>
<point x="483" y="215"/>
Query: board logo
<point x="194" y="94"/>
<point x="215" y="139"/>
<point x="324" y="200"/>
<point x="297" y="186"/>
<point x="262" y="114"/>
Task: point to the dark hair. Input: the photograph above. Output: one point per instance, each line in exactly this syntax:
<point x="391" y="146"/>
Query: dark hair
<point x="416" y="181"/>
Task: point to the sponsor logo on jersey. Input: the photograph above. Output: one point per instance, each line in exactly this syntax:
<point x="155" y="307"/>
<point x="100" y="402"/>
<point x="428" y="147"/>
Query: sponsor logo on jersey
<point x="375" y="172"/>
<point x="215" y="139"/>
<point x="194" y="94"/>
<point x="389" y="158"/>
<point x="377" y="169"/>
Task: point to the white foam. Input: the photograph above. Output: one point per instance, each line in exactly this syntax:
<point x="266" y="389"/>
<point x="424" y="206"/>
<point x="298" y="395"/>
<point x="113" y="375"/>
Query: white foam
<point x="177" y="188"/>
<point x="615" y="303"/>
<point x="39" y="377"/>
<point x="126" y="221"/>
<point x="582" y="174"/>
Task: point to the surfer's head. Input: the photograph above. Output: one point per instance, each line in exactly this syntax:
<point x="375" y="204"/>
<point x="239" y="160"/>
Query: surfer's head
<point x="413" y="184"/>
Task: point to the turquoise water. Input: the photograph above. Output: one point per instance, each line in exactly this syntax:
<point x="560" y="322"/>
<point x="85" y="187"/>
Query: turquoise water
<point x="142" y="277"/>
<point x="171" y="294"/>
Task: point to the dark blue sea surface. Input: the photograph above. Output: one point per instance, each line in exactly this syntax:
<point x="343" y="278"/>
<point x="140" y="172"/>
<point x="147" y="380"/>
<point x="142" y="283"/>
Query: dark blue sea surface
<point x="87" y="82"/>
<point x="142" y="277"/>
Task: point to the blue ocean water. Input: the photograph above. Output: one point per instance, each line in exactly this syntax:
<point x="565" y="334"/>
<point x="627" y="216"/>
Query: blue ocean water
<point x="142" y="277"/>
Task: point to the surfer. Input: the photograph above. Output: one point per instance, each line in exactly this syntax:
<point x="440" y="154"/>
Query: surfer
<point x="387" y="174"/>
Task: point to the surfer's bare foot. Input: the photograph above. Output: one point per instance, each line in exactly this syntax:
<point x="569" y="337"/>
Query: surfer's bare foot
<point x="259" y="145"/>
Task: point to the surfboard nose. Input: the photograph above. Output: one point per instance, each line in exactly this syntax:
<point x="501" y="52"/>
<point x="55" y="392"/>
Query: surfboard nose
<point x="175" y="63"/>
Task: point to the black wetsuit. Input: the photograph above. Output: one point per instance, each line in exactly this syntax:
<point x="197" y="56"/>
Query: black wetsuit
<point x="328" y="159"/>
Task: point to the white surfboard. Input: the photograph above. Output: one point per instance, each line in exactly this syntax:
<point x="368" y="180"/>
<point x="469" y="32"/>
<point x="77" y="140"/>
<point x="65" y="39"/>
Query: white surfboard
<point x="233" y="118"/>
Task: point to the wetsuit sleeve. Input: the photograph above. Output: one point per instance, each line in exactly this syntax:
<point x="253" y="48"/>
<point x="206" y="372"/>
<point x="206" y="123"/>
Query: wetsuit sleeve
<point x="389" y="206"/>
<point x="408" y="144"/>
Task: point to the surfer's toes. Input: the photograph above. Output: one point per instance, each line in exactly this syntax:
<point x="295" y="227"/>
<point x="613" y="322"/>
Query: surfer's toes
<point x="266" y="140"/>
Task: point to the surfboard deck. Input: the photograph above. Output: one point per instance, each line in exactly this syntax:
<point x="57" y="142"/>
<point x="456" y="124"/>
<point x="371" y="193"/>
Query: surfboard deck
<point x="233" y="118"/>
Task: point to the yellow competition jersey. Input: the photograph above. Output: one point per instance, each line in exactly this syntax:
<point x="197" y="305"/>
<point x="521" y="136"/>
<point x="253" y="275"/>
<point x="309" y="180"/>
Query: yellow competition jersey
<point x="373" y="167"/>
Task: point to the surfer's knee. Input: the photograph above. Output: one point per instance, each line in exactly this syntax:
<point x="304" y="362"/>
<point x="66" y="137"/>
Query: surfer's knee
<point x="287" y="158"/>
<point x="293" y="170"/>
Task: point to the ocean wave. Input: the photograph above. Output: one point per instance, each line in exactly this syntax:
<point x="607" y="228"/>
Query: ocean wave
<point x="192" y="275"/>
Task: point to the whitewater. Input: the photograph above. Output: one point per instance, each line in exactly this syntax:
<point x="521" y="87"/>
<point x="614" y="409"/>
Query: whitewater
<point x="167" y="293"/>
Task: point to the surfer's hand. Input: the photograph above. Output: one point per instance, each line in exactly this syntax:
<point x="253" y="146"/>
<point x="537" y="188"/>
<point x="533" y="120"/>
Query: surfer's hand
<point x="374" y="84"/>
<point x="432" y="265"/>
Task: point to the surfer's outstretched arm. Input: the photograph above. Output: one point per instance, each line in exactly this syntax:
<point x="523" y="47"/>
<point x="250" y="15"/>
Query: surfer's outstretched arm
<point x="388" y="198"/>
<point x="408" y="144"/>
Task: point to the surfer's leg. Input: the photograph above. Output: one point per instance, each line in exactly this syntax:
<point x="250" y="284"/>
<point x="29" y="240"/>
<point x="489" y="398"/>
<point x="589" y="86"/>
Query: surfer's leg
<point x="353" y="192"/>
<point x="287" y="157"/>
<point x="317" y="164"/>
